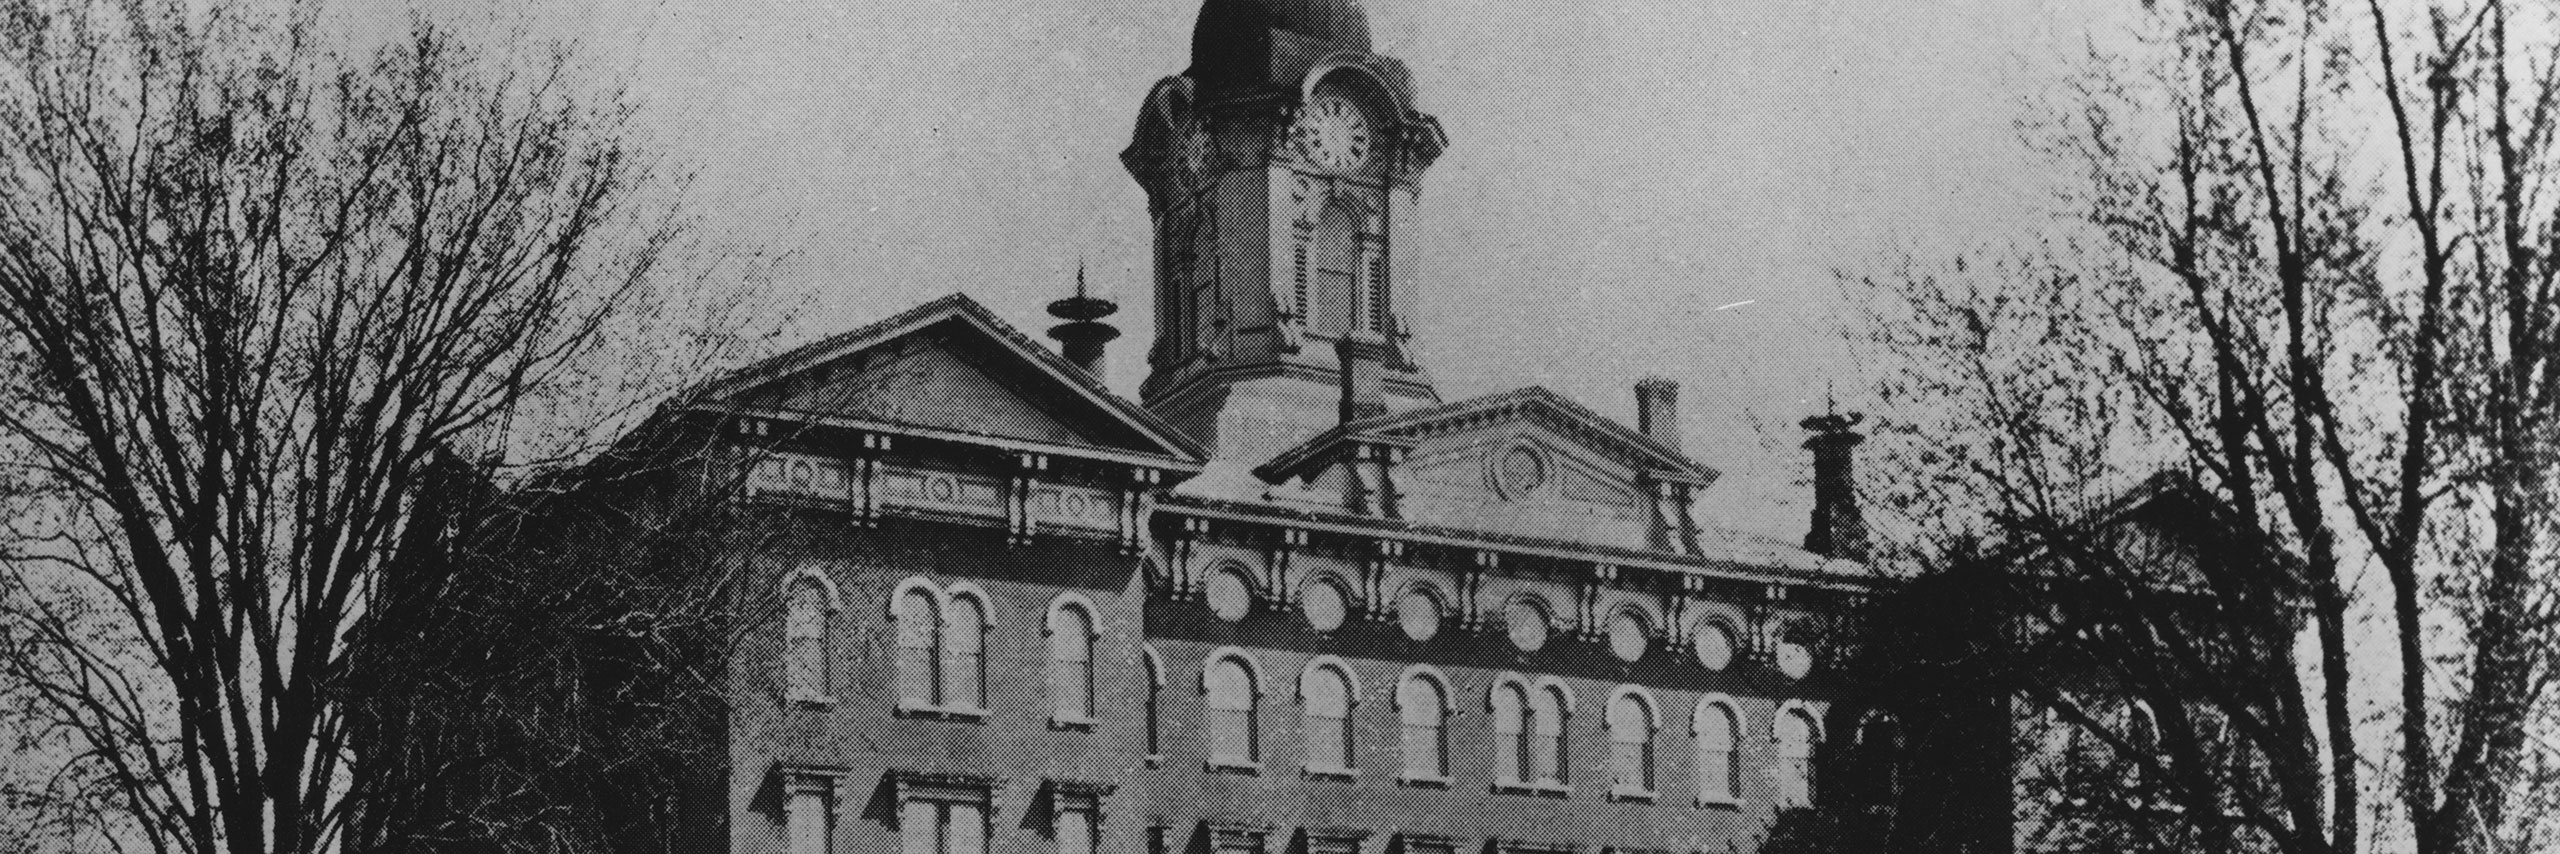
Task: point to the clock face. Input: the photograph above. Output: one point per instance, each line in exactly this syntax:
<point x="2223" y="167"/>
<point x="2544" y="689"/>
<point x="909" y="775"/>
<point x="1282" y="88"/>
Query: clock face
<point x="1333" y="133"/>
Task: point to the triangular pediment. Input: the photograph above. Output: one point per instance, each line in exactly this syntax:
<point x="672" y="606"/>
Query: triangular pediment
<point x="950" y="369"/>
<point x="1526" y="462"/>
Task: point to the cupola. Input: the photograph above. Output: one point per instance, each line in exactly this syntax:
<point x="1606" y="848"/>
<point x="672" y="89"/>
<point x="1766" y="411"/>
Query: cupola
<point x="1237" y="41"/>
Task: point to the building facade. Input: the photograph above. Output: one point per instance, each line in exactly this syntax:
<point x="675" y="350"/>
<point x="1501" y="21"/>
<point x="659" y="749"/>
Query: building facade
<point x="1291" y="599"/>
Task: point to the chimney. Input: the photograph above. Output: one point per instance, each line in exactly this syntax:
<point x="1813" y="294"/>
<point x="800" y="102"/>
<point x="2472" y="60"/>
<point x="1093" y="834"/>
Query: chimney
<point x="1081" y="338"/>
<point x="1364" y="357"/>
<point x="1839" y="530"/>
<point x="1658" y="410"/>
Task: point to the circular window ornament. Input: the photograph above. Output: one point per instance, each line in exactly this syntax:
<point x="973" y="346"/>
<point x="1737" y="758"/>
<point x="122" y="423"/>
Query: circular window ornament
<point x="1714" y="645"/>
<point x="1325" y="605"/>
<point x="1526" y="621"/>
<point x="1519" y="470"/>
<point x="1628" y="638"/>
<point x="1794" y="658"/>
<point x="1230" y="596"/>
<point x="1418" y="612"/>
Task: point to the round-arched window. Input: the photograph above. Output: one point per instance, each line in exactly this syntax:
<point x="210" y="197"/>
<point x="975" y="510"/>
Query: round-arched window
<point x="1418" y="611"/>
<point x="1325" y="605"/>
<point x="1230" y="596"/>
<point x="1526" y="621"/>
<point x="1794" y="657"/>
<point x="1628" y="637"/>
<point x="1714" y="645"/>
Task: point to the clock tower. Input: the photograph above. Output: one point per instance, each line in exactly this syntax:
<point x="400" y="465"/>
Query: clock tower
<point x="1275" y="168"/>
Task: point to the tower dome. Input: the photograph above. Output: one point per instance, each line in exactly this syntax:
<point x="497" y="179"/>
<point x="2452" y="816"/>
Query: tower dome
<point x="1235" y="36"/>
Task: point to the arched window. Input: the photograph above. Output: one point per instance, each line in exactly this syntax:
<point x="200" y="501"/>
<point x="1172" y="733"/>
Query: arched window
<point x="1230" y="594"/>
<point x="1418" y="612"/>
<point x="1511" y="733"/>
<point x="964" y="661"/>
<point x="805" y="673"/>
<point x="1070" y="661"/>
<point x="1797" y="736"/>
<point x="1337" y="271"/>
<point x="1526" y="621"/>
<point x="1325" y="692"/>
<point x="1630" y="744"/>
<point x="919" y="622"/>
<point x="1547" y="715"/>
<point x="1422" y="705"/>
<point x="1232" y="697"/>
<point x="1717" y="730"/>
<point x="1325" y="603"/>
<point x="1629" y="636"/>
<point x="1713" y="642"/>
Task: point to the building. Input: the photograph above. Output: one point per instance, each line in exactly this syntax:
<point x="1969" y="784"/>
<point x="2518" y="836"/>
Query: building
<point x="1291" y="599"/>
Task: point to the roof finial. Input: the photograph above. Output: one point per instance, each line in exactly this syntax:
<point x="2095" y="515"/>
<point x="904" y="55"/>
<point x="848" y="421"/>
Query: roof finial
<point x="1084" y="333"/>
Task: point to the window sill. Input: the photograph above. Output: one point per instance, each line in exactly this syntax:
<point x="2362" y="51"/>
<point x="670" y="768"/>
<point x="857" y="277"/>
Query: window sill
<point x="1155" y="761"/>
<point x="1423" y="781"/>
<point x="1077" y="723"/>
<point x="1633" y="795"/>
<point x="1334" y="773"/>
<point x="1543" y="790"/>
<point x="943" y="713"/>
<point x="804" y="698"/>
<point x="1232" y="766"/>
<point x="1720" y="803"/>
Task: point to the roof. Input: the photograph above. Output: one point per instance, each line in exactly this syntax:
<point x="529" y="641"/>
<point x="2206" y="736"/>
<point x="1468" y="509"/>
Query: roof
<point x="1228" y="25"/>
<point x="1161" y="439"/>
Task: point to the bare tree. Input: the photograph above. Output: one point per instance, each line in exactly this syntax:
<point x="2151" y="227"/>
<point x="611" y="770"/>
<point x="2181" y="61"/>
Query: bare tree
<point x="265" y="282"/>
<point x="2314" y="267"/>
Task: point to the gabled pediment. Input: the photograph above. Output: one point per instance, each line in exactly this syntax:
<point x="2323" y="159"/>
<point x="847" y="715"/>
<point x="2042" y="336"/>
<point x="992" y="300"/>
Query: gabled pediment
<point x="949" y="369"/>
<point x="1572" y="422"/>
<point x="1526" y="462"/>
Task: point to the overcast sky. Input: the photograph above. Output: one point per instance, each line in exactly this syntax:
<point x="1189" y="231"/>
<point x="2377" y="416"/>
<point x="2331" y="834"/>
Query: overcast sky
<point x="1617" y="171"/>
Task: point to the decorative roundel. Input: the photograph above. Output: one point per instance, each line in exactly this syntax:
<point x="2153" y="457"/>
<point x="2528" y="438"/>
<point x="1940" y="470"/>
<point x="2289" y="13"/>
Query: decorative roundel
<point x="1793" y="657"/>
<point x="1526" y="621"/>
<point x="1230" y="596"/>
<point x="1628" y="637"/>
<point x="1714" y="644"/>
<point x="1418" y="611"/>
<point x="1519" y="470"/>
<point x="1325" y="605"/>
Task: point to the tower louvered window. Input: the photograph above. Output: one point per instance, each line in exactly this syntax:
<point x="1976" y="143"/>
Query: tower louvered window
<point x="1337" y="272"/>
<point x="1298" y="277"/>
<point x="1373" y="270"/>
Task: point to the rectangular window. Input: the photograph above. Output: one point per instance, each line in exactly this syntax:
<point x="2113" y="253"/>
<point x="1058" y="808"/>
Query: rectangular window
<point x="809" y="821"/>
<point x="1075" y="831"/>
<point x="939" y="827"/>
<point x="919" y="828"/>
